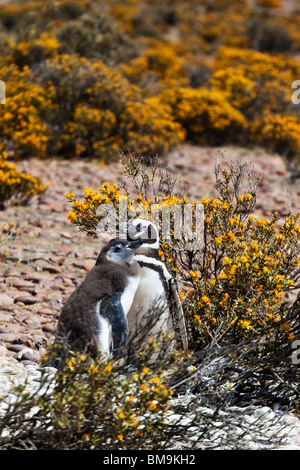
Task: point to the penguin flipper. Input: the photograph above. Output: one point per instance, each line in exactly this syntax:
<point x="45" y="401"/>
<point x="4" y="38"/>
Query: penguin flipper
<point x="179" y="315"/>
<point x="112" y="309"/>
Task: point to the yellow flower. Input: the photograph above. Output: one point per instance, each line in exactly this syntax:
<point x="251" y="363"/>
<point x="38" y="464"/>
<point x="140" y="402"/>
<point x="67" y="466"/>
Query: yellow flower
<point x="71" y="216"/>
<point x="285" y="326"/>
<point x="155" y="380"/>
<point x="231" y="236"/>
<point x="218" y="240"/>
<point x="223" y="275"/>
<point x="108" y="368"/>
<point x="260" y="221"/>
<point x="153" y="405"/>
<point x="120" y="437"/>
<point x="205" y="300"/>
<point x="194" y="275"/>
<point x="245" y="324"/>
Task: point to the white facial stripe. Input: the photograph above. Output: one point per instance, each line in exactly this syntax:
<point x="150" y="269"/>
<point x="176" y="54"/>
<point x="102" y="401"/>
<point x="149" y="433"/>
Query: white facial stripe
<point x="147" y="259"/>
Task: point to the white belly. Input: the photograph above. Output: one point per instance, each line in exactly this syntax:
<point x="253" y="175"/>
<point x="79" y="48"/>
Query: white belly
<point x="104" y="331"/>
<point x="150" y="293"/>
<point x="103" y="325"/>
<point x="129" y="293"/>
<point x="149" y="290"/>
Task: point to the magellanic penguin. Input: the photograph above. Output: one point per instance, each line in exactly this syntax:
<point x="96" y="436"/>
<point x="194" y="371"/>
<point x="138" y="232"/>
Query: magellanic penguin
<point x="93" y="320"/>
<point x="155" y="282"/>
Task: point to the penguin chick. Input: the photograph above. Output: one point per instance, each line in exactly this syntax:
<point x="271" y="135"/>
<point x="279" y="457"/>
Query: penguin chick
<point x="93" y="319"/>
<point x="156" y="285"/>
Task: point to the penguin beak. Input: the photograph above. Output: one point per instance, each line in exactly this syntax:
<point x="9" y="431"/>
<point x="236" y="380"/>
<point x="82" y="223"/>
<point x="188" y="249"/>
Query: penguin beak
<point x="135" y="244"/>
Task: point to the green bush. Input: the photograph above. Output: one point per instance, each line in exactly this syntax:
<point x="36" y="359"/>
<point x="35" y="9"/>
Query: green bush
<point x="96" y="37"/>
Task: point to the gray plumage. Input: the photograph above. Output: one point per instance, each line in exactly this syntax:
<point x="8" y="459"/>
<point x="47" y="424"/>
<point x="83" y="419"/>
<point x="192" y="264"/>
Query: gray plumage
<point x="93" y="320"/>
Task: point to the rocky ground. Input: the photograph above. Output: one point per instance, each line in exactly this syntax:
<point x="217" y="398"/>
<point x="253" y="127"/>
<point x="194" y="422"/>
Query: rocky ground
<point x="50" y="257"/>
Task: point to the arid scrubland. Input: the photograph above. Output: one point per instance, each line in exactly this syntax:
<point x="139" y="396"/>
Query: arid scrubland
<point x="132" y="81"/>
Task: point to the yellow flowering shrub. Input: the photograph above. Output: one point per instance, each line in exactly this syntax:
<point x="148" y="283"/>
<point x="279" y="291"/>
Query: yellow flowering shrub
<point x="281" y="134"/>
<point x="206" y="115"/>
<point x="86" y="214"/>
<point x="161" y="66"/>
<point x="16" y="185"/>
<point x="93" y="80"/>
<point x="27" y="53"/>
<point x="240" y="289"/>
<point x="97" y="404"/>
<point x="259" y="86"/>
<point x="265" y="80"/>
<point x="150" y="128"/>
<point x="98" y="111"/>
<point x="22" y="127"/>
<point x="235" y="286"/>
<point x="126" y="410"/>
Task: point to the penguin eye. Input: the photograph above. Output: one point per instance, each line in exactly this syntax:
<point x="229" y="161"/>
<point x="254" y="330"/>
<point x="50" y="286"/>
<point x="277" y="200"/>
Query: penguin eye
<point x="117" y="248"/>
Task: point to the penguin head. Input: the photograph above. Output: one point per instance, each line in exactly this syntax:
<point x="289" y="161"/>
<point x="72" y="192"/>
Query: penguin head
<point x="119" y="250"/>
<point x="141" y="229"/>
